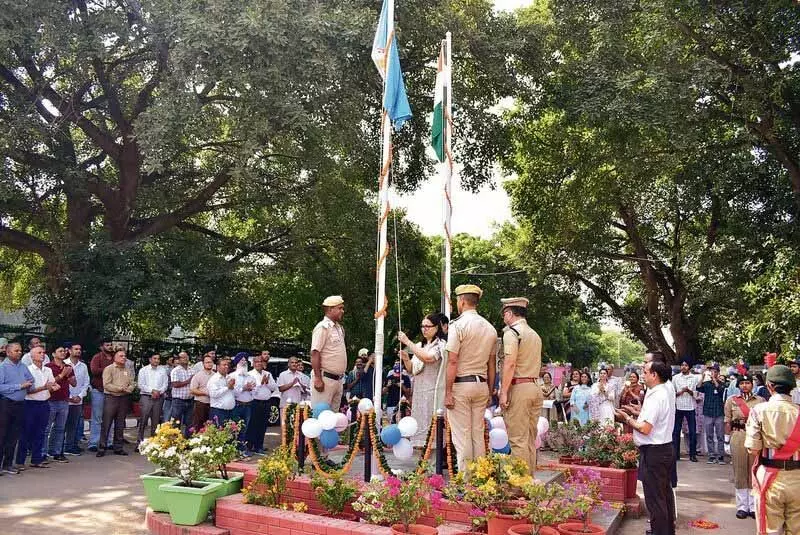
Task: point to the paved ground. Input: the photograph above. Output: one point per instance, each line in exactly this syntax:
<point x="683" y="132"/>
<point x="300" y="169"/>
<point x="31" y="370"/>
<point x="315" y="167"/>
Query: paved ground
<point x="92" y="496"/>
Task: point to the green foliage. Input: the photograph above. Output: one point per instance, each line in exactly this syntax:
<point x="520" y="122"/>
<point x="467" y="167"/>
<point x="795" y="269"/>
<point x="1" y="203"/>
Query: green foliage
<point x="651" y="159"/>
<point x="333" y="491"/>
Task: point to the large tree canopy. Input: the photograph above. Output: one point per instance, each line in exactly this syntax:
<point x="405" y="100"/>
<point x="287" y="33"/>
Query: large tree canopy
<point x="136" y="133"/>
<point x="642" y="172"/>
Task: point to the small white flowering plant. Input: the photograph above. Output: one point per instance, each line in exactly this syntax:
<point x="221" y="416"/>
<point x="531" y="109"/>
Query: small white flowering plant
<point x="165" y="448"/>
<point x="221" y="442"/>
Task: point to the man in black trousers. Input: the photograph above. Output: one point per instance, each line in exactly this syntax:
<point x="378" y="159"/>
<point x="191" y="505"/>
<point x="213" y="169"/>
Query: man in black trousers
<point x="652" y="432"/>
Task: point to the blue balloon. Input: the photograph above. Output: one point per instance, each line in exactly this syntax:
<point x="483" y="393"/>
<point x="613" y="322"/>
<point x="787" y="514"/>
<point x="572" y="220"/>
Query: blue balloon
<point x="506" y="450"/>
<point x="391" y="435"/>
<point x="329" y="438"/>
<point x="319" y="407"/>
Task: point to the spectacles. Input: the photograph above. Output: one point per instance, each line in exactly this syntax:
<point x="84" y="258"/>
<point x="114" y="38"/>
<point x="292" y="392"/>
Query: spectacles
<point x="426" y="326"/>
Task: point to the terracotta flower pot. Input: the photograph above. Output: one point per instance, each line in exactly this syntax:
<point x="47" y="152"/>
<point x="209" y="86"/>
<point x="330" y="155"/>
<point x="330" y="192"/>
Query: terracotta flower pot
<point x="499" y="524"/>
<point x="527" y="529"/>
<point x="415" y="529"/>
<point x="576" y="528"/>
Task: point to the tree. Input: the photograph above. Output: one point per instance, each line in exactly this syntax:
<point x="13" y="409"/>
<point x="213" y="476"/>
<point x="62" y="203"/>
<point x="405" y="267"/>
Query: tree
<point x="628" y="185"/>
<point x="129" y="124"/>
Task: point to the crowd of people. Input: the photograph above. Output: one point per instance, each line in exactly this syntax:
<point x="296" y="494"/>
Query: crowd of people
<point x="749" y="419"/>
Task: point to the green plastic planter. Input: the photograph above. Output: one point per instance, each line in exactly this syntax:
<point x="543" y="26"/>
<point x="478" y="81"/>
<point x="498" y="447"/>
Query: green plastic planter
<point x="151" y="483"/>
<point x="230" y="486"/>
<point x="189" y="506"/>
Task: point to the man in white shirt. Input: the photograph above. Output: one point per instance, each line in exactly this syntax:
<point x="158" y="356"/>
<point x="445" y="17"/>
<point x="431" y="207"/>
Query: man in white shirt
<point x="220" y="393"/>
<point x="652" y="432"/>
<point x="265" y="386"/>
<point x="37" y="410"/>
<point x="152" y="383"/>
<point x="685" y="404"/>
<point x="77" y="393"/>
<point x="182" y="399"/>
<point x="34" y="342"/>
<point x="244" y="385"/>
<point x="292" y="384"/>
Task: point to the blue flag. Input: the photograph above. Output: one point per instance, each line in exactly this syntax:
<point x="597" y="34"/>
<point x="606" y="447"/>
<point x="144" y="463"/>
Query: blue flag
<point x="395" y="100"/>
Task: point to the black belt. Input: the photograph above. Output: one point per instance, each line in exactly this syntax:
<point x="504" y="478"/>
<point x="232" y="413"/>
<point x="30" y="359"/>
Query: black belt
<point x="781" y="465"/>
<point x="243" y="403"/>
<point x="648" y="446"/>
<point x="736" y="426"/>
<point x="470" y="379"/>
<point x="332" y="376"/>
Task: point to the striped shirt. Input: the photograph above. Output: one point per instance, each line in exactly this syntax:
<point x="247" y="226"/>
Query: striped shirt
<point x="178" y="374"/>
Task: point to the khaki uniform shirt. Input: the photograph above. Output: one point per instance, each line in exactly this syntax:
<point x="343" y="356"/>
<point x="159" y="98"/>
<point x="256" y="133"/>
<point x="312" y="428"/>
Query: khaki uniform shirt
<point x="734" y="414"/>
<point x="328" y="339"/>
<point x="526" y="346"/>
<point x="770" y="424"/>
<point x="475" y="341"/>
<point x="117" y="381"/>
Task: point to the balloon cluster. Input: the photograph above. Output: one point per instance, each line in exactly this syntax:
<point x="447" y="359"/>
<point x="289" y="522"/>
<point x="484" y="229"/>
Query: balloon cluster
<point x="325" y="425"/>
<point x="498" y="437"/>
<point x="396" y="436"/>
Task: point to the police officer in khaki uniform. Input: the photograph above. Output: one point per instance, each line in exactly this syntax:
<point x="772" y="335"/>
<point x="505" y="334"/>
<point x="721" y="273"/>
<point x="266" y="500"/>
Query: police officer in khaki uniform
<point x="772" y="433"/>
<point x="737" y="411"/>
<point x="520" y="395"/>
<point x="328" y="355"/>
<point x="471" y="350"/>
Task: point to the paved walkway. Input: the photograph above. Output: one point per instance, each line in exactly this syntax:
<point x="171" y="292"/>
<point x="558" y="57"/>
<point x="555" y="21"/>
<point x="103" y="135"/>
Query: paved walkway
<point x="92" y="496"/>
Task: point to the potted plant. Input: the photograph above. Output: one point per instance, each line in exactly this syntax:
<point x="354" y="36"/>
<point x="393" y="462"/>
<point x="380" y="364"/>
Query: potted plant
<point x="163" y="450"/>
<point x="582" y="489"/>
<point x="221" y="440"/>
<point x="545" y="506"/>
<point x="565" y="439"/>
<point x="274" y="472"/>
<point x="494" y="484"/>
<point x="190" y="499"/>
<point x="626" y="457"/>
<point x="399" y="503"/>
<point x="334" y="493"/>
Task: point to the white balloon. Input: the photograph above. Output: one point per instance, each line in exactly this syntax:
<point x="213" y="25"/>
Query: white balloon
<point x="364" y="405"/>
<point x="403" y="449"/>
<point x="543" y="426"/>
<point x="311" y="428"/>
<point x="487" y="414"/>
<point x="327" y="420"/>
<point x="408" y="426"/>
<point x="498" y="439"/>
<point x="498" y="422"/>
<point x="342" y="421"/>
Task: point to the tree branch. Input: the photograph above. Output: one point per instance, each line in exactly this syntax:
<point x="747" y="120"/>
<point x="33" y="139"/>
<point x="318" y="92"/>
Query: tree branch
<point x="197" y="204"/>
<point x="22" y="241"/>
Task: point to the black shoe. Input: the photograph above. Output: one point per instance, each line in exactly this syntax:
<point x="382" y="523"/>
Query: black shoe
<point x="120" y="452"/>
<point x="741" y="515"/>
<point x="93" y="448"/>
<point x="60" y="459"/>
<point x="100" y="453"/>
<point x="751" y="514"/>
<point x="109" y="448"/>
<point x="693" y="459"/>
<point x="711" y="460"/>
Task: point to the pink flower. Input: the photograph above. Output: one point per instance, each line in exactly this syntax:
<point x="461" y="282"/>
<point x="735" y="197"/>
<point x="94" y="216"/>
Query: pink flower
<point x="436" y="481"/>
<point x="394" y="491"/>
<point x="393" y="482"/>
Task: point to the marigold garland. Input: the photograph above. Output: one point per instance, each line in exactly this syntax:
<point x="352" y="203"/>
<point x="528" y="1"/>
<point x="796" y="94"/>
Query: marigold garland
<point x="329" y="467"/>
<point x="451" y="468"/>
<point x="426" y="454"/>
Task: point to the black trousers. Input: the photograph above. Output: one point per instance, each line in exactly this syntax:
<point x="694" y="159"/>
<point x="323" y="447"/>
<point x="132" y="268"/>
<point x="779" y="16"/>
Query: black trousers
<point x="656" y="463"/>
<point x="115" y="409"/>
<point x="257" y="426"/>
<point x="12" y="416"/>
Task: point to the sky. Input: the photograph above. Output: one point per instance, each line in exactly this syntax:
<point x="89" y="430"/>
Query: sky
<point x="475" y="214"/>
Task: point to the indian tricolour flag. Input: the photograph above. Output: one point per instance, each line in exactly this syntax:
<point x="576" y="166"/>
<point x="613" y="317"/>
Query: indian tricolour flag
<point x="440" y="106"/>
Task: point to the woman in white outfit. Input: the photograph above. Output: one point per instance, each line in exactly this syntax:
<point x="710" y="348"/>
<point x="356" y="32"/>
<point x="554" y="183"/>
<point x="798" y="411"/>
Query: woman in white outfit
<point x="425" y="365"/>
<point x="603" y="398"/>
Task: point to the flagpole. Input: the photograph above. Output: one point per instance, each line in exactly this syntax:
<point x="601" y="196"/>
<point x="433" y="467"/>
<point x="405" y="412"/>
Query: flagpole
<point x="447" y="179"/>
<point x="381" y="301"/>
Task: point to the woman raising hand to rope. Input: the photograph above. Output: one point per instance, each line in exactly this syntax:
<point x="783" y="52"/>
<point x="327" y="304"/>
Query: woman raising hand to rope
<point x="424" y="365"/>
